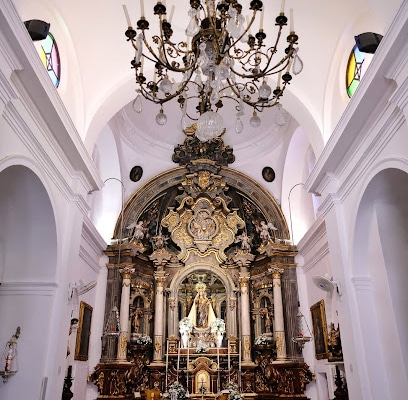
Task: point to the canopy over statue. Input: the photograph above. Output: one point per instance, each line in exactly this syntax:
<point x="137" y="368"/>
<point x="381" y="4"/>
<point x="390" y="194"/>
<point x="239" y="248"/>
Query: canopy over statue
<point x="201" y="313"/>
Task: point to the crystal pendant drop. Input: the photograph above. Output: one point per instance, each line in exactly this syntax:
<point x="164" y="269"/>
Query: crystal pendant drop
<point x="161" y="118"/>
<point x="255" y="121"/>
<point x="137" y="104"/>
<point x="239" y="126"/>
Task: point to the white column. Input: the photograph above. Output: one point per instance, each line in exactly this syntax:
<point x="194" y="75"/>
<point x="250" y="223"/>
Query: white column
<point x="124" y="313"/>
<point x="160" y="277"/>
<point x="279" y="326"/>
<point x="245" y="318"/>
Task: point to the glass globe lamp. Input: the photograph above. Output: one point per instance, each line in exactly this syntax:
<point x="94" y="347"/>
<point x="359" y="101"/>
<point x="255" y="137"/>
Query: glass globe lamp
<point x="255" y="121"/>
<point x="161" y="118"/>
<point x="209" y="125"/>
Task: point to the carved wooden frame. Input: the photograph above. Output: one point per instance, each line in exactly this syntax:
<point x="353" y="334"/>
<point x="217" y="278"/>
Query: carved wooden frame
<point x="84" y="332"/>
<point x="319" y="329"/>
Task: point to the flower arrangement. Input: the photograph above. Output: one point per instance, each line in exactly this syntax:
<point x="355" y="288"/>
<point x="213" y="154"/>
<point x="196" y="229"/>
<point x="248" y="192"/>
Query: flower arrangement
<point x="144" y="340"/>
<point x="234" y="393"/>
<point x="185" y="325"/>
<point x="218" y="326"/>
<point x="177" y="391"/>
<point x="261" y="340"/>
<point x="201" y="348"/>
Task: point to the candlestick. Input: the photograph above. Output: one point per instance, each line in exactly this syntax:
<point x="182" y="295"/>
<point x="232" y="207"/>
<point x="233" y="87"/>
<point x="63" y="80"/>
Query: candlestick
<point x="292" y="29"/>
<point x="171" y="13"/>
<point x="283" y="7"/>
<point x="279" y="78"/>
<point x="218" y="366"/>
<point x="239" y="365"/>
<point x="178" y="360"/>
<point x="188" y="360"/>
<point x="262" y="18"/>
<point x="167" y="363"/>
<point x="229" y="361"/>
<point x="142" y="12"/>
<point x="289" y="65"/>
<point x="129" y="24"/>
<point x="141" y="65"/>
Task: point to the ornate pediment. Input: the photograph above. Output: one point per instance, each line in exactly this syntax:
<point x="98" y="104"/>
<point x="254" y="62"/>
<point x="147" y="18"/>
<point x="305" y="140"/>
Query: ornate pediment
<point x="203" y="226"/>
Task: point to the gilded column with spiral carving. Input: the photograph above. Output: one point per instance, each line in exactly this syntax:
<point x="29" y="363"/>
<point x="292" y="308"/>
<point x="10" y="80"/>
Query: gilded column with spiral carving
<point x="124" y="312"/>
<point x="279" y="324"/>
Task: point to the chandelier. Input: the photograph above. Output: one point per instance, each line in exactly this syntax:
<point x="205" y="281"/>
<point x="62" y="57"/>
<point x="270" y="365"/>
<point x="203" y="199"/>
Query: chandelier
<point x="221" y="56"/>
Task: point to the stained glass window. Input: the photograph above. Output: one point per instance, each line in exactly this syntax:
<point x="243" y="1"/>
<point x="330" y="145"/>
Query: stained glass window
<point x="356" y="67"/>
<point x="50" y="57"/>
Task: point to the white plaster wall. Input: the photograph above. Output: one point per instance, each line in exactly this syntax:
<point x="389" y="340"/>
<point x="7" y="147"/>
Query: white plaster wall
<point x="370" y="138"/>
<point x="38" y="301"/>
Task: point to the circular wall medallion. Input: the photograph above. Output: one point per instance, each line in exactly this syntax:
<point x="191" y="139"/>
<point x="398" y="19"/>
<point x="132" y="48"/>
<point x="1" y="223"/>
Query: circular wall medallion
<point x="136" y="173"/>
<point x="203" y="225"/>
<point x="268" y="174"/>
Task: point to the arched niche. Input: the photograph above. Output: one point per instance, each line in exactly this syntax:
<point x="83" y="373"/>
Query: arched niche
<point x="380" y="274"/>
<point x="28" y="270"/>
<point x="229" y="295"/>
<point x="27" y="225"/>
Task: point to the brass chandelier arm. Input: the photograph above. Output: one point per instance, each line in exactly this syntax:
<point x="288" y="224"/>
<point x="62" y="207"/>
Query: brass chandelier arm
<point x="154" y="98"/>
<point x="229" y="62"/>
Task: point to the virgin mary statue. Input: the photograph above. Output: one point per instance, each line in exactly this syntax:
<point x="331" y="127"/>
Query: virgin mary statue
<point x="201" y="313"/>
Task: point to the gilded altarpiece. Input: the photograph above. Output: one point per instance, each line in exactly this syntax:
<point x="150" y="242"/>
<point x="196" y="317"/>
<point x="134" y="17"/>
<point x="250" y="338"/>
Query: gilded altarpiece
<point x="207" y="247"/>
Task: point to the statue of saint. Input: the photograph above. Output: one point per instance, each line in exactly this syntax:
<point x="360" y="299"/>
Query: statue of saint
<point x="202" y="305"/>
<point x="201" y="313"/>
<point x="138" y="314"/>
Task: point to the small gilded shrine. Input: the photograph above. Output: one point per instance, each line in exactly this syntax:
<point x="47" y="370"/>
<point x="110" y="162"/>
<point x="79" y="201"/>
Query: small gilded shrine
<point x="201" y="295"/>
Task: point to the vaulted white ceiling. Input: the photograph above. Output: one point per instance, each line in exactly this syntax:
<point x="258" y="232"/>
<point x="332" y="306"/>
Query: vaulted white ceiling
<point x="97" y="87"/>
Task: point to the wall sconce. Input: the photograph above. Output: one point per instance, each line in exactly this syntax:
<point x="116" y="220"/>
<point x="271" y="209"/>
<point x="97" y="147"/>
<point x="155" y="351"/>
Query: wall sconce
<point x="10" y="357"/>
<point x="303" y="335"/>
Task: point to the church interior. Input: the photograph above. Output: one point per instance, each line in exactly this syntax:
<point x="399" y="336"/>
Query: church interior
<point x="208" y="199"/>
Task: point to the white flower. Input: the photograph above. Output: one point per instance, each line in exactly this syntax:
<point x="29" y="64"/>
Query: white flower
<point x="185" y="325"/>
<point x="177" y="390"/>
<point x="260" y="340"/>
<point x="218" y="326"/>
<point x="234" y="393"/>
<point x="144" y="340"/>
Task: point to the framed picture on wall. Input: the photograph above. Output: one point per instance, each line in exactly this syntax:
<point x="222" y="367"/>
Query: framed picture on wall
<point x="84" y="332"/>
<point x="319" y="329"/>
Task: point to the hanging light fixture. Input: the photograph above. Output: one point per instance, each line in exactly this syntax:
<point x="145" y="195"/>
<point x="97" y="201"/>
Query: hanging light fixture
<point x="10" y="357"/>
<point x="303" y="335"/>
<point x="218" y="58"/>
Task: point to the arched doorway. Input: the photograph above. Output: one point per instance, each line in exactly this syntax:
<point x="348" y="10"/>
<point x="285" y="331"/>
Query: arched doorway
<point x="380" y="275"/>
<point x="27" y="273"/>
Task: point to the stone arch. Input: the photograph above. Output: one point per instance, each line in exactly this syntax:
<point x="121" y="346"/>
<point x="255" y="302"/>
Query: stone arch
<point x="225" y="279"/>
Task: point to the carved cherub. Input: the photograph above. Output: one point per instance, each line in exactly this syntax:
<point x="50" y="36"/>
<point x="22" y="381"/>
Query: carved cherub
<point x="245" y="240"/>
<point x="264" y="230"/>
<point x="138" y="230"/>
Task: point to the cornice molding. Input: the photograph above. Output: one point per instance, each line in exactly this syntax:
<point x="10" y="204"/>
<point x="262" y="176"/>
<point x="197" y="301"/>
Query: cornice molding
<point x="36" y="91"/>
<point x="52" y="166"/>
<point x="365" y="103"/>
<point x="28" y="289"/>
